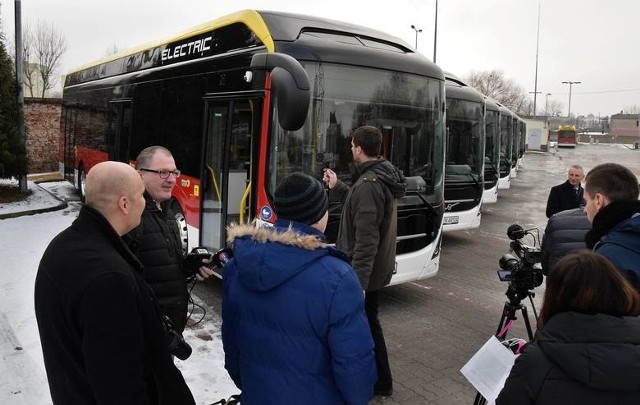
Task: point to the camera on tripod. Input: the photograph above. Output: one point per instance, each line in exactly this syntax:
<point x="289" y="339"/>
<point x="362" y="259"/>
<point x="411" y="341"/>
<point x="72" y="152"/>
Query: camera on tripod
<point x="193" y="259"/>
<point x="522" y="271"/>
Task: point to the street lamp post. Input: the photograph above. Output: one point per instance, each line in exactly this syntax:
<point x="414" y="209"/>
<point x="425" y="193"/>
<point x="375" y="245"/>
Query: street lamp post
<point x="535" y="93"/>
<point x="535" y="87"/>
<point x="435" y="34"/>
<point x="417" y="30"/>
<point x="546" y="105"/>
<point x="22" y="179"/>
<point x="570" y="86"/>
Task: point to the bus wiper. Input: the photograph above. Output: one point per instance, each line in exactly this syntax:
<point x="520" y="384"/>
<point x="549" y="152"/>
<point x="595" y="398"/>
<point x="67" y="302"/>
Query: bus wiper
<point x="473" y="177"/>
<point x="493" y="167"/>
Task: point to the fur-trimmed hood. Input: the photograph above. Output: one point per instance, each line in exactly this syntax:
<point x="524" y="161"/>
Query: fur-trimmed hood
<point x="288" y="236"/>
<point x="267" y="256"/>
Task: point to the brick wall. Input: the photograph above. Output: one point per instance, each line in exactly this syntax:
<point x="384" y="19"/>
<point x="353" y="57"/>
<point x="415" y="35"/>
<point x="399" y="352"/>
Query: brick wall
<point x="42" y="122"/>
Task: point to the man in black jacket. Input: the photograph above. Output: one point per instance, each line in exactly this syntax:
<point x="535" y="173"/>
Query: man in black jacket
<point x="156" y="242"/>
<point x="102" y="337"/>
<point x="368" y="230"/>
<point x="567" y="195"/>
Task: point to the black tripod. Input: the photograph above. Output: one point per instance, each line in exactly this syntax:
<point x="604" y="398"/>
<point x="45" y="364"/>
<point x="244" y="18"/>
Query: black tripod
<point x="509" y="311"/>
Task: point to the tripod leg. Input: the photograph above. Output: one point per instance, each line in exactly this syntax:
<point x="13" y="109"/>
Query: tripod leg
<point x="504" y="318"/>
<point x="507" y="315"/>
<point x="525" y="315"/>
<point x="480" y="400"/>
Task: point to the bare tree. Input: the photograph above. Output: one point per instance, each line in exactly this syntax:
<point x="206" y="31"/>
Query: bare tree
<point x="43" y="48"/>
<point x="493" y="84"/>
<point x="631" y="109"/>
<point x="30" y="79"/>
<point x="555" y="108"/>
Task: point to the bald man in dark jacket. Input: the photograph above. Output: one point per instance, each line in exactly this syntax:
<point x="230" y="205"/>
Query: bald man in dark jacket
<point x="102" y="337"/>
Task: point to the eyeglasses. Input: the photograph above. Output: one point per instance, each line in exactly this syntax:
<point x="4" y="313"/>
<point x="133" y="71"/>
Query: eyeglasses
<point x="164" y="174"/>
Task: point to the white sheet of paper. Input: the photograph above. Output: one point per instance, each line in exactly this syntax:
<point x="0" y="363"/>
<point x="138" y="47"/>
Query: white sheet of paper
<point x="488" y="368"/>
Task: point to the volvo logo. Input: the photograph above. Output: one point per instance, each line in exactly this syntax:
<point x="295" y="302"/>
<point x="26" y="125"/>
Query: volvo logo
<point x="450" y="206"/>
<point x="266" y="213"/>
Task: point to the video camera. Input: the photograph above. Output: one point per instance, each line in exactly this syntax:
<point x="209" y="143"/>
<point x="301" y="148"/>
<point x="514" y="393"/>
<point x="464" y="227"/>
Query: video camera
<point x="522" y="271"/>
<point x="193" y="260"/>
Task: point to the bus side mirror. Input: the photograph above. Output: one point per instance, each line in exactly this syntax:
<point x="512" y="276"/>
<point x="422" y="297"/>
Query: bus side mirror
<point x="290" y="84"/>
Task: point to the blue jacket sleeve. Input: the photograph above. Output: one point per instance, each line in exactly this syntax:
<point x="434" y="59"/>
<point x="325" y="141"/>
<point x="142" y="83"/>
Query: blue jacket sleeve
<point x="350" y="343"/>
<point x="229" y="341"/>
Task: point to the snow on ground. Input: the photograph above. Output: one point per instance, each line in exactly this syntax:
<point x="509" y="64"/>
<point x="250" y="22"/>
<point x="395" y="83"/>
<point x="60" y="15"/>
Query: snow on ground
<point x="22" y="242"/>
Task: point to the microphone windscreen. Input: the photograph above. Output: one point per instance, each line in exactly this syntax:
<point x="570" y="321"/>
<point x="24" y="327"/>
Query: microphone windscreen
<point x="515" y="232"/>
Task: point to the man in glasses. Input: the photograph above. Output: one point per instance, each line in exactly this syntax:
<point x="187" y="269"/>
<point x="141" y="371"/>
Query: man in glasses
<point x="157" y="242"/>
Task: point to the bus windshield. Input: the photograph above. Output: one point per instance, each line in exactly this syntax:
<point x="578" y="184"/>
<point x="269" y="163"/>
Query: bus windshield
<point x="406" y="108"/>
<point x="506" y="143"/>
<point x="492" y="126"/>
<point x="464" y="145"/>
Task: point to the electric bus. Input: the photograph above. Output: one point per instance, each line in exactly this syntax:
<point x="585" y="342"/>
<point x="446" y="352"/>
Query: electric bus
<point x="506" y="145"/>
<point x="515" y="145"/>
<point x="492" y="151"/>
<point x="244" y="100"/>
<point x="567" y="136"/>
<point x="464" y="167"/>
<point x="522" y="144"/>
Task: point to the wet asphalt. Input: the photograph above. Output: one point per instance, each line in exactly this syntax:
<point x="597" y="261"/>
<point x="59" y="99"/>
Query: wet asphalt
<point x="434" y="326"/>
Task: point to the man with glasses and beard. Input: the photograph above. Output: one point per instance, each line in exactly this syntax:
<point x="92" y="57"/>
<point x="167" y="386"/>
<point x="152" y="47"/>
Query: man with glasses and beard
<point x="156" y="242"/>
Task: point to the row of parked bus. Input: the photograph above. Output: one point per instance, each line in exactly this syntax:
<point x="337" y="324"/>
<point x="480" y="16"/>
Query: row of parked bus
<point x="485" y="145"/>
<point x="244" y="100"/>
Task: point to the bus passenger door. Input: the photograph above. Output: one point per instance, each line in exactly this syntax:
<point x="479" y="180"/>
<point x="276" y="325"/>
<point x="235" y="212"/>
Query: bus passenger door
<point x="227" y="189"/>
<point x="119" y="134"/>
<point x="68" y="158"/>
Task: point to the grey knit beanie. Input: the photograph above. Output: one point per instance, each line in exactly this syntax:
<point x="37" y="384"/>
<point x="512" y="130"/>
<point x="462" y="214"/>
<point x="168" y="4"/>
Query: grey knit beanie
<point x="301" y="198"/>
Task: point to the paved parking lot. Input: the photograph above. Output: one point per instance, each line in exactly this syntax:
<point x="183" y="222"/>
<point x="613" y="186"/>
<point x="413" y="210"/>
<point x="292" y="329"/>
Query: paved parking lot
<point x="434" y="326"/>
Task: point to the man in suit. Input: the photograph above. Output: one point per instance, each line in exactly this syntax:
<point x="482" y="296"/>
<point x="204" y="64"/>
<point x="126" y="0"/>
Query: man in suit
<point x="567" y="195"/>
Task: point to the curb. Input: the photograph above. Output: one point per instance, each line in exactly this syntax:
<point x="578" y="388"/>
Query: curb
<point x="62" y="205"/>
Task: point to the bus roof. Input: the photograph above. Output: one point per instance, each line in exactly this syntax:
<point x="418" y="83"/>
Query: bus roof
<point x="250" y="18"/>
<point x="268" y="27"/>
<point x="491" y="104"/>
<point x="288" y="26"/>
<point x="457" y="89"/>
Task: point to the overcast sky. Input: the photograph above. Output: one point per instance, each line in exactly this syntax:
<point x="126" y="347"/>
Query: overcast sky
<point x="591" y="41"/>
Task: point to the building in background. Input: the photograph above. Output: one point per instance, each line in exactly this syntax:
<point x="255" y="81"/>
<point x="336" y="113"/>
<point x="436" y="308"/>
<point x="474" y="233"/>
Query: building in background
<point x="625" y="128"/>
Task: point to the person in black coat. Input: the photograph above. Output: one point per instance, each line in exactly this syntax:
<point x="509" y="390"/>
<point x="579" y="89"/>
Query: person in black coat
<point x="156" y="242"/>
<point x="102" y="337"/>
<point x="567" y="195"/>
<point x="587" y="350"/>
<point x="564" y="234"/>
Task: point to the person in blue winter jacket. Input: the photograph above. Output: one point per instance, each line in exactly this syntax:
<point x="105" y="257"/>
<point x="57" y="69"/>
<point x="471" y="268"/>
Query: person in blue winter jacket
<point x="611" y="196"/>
<point x="294" y="328"/>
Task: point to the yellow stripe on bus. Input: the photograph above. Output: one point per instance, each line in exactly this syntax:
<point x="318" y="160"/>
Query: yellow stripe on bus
<point x="250" y="18"/>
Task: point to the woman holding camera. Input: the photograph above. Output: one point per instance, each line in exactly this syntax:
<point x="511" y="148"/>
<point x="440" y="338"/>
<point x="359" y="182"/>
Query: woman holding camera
<point x="587" y="349"/>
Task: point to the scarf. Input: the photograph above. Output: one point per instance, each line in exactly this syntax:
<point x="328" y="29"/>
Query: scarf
<point x="608" y="217"/>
